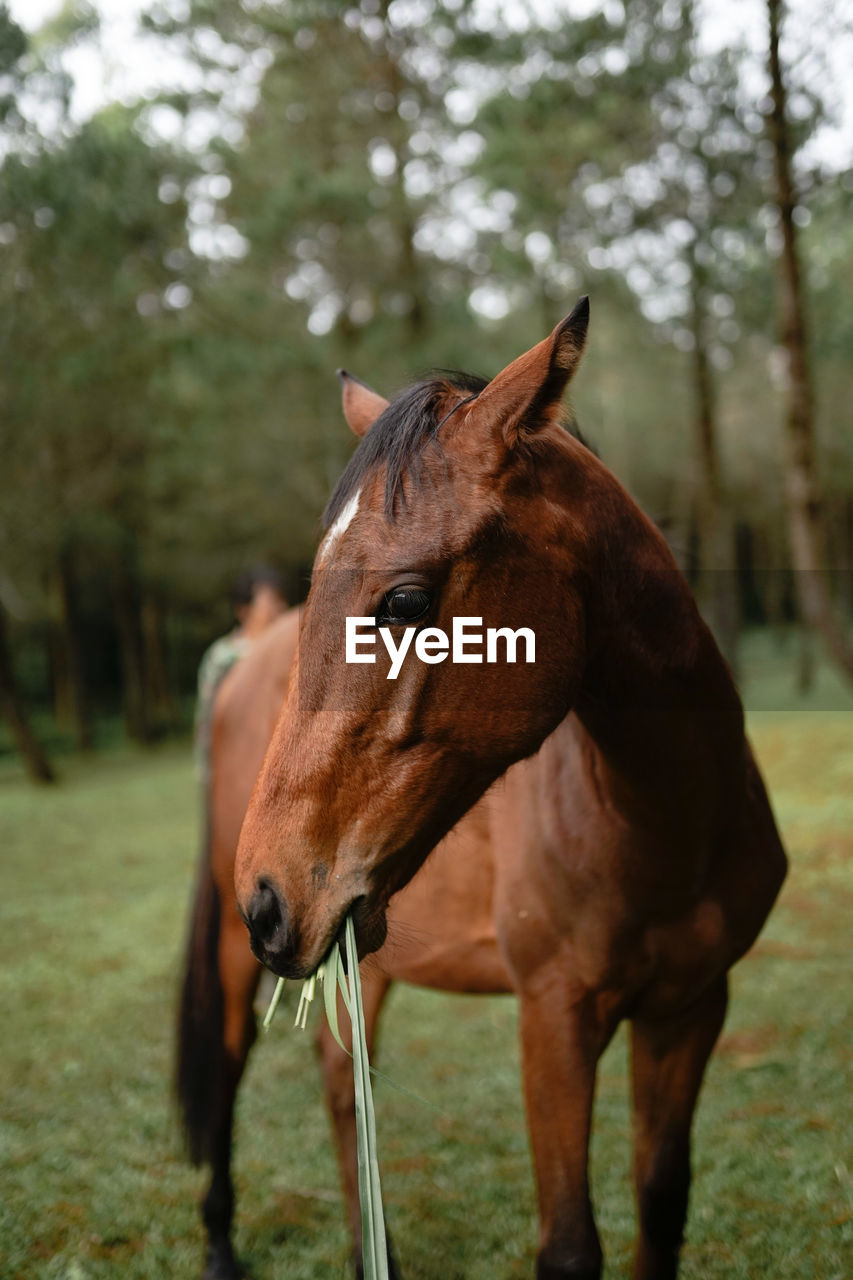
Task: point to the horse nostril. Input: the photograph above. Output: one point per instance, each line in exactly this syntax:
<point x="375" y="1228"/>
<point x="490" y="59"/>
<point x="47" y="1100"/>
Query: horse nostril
<point x="267" y="913"/>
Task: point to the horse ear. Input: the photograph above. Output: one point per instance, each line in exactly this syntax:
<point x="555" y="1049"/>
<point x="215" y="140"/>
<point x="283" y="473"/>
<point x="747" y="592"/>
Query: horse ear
<point x="362" y="406"/>
<point x="525" y="395"/>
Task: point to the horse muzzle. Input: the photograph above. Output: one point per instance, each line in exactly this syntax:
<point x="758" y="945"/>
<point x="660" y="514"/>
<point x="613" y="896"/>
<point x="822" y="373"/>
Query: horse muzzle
<point x="272" y="936"/>
<point x="275" y="937"/>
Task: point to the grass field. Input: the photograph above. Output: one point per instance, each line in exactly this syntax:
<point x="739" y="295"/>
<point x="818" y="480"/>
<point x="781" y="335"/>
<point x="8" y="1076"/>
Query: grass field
<point x="96" y="875"/>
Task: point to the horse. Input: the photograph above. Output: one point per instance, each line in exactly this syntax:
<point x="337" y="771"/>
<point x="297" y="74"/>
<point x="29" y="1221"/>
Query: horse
<point x="635" y="853"/>
<point x="447" y="944"/>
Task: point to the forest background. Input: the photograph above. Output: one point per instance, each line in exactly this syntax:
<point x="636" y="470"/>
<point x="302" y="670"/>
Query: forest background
<point x="394" y="186"/>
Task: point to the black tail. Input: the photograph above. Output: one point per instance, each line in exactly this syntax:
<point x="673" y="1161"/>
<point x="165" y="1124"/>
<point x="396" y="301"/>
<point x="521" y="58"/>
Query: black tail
<point x="200" y="1068"/>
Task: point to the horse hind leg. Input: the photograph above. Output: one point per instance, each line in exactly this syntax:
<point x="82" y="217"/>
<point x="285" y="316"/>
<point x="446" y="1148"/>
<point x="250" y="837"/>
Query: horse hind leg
<point x="668" y="1064"/>
<point x="339" y="1090"/>
<point x="239" y="974"/>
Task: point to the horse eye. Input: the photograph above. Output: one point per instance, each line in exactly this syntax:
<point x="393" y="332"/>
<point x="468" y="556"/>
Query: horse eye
<point x="405" y="604"/>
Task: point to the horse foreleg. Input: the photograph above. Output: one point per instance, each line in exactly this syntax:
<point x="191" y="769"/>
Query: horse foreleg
<point x="239" y="973"/>
<point x="339" y="1090"/>
<point x="668" y="1063"/>
<point x="563" y="1034"/>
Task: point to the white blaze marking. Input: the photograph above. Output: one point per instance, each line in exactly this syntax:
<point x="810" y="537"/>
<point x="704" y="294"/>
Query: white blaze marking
<point x="340" y="526"/>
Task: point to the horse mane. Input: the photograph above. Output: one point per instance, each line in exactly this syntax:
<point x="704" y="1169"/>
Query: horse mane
<point x="399" y="437"/>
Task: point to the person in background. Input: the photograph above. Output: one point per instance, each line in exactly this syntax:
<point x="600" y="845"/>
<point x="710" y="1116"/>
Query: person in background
<point x="257" y="599"/>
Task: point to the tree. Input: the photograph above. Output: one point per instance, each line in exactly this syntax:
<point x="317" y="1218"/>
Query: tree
<point x="12" y="707"/>
<point x="89" y="244"/>
<point x="641" y="182"/>
<point x="682" y="225"/>
<point x="806" y="524"/>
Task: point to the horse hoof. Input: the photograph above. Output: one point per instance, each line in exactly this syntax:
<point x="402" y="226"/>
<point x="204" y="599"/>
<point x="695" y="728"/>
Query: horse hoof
<point x="222" y="1271"/>
<point x="222" y="1265"/>
<point x="546" y="1272"/>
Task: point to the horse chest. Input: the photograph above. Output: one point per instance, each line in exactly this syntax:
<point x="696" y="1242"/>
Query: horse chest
<point x="576" y="878"/>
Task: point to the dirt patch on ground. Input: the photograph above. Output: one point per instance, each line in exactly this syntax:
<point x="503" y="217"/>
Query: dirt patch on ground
<point x="831" y="851"/>
<point x="746" y="1048"/>
<point x="802" y="904"/>
<point x="115" y="1248"/>
<point x="757" y="1109"/>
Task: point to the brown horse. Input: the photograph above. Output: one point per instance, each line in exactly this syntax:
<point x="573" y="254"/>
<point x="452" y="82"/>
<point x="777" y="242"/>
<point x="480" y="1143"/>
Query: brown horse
<point x="442" y="936"/>
<point x="635" y="851"/>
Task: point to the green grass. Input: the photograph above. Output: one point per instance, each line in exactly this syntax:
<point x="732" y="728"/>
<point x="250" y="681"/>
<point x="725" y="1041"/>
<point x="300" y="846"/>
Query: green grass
<point x="95" y="877"/>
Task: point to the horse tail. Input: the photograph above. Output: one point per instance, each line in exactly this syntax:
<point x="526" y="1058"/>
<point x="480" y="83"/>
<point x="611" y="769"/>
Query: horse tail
<point x="200" y="1065"/>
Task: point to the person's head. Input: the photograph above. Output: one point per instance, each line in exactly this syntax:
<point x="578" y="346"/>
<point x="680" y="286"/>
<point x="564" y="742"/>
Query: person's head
<point x="258" y="598"/>
<point x="240" y="595"/>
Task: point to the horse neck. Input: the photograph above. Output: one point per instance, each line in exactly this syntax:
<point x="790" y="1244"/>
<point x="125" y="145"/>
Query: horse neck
<point x="655" y="695"/>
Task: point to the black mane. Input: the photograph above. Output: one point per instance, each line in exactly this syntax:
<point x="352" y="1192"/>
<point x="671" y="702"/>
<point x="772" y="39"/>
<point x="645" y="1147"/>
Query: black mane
<point x="398" y="438"/>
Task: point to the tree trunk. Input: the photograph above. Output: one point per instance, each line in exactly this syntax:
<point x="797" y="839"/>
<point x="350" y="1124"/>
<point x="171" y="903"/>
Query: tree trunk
<point x="845" y="558"/>
<point x="69" y="670"/>
<point x="160" y="695"/>
<point x="63" y="712"/>
<point x="718" y="573"/>
<point x="12" y="706"/>
<point x="806" y="531"/>
<point x="127" y="617"/>
<point x="805" y="661"/>
<point x="410" y="273"/>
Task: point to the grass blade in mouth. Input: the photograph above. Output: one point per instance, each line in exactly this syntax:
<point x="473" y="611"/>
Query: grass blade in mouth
<point x="309" y="986"/>
<point x="334" y="979"/>
<point x="374" y="1247"/>
<point x="276" y="996"/>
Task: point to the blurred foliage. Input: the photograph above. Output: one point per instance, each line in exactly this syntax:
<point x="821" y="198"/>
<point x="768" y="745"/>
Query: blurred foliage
<point x="392" y="186"/>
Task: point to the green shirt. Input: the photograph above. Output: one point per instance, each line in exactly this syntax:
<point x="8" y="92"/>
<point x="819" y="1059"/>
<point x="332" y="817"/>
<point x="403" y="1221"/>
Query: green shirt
<point x="215" y="664"/>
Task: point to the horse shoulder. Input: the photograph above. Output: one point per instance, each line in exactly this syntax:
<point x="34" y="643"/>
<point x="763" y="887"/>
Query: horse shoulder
<point x="441" y="926"/>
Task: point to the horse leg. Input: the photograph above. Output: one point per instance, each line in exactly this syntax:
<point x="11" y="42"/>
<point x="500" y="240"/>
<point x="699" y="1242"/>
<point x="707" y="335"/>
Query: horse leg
<point x="563" y="1034"/>
<point x="668" y="1063"/>
<point x="239" y="973"/>
<point x="339" y="1089"/>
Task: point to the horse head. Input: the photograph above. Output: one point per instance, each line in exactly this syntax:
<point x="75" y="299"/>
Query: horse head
<point x="460" y="515"/>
